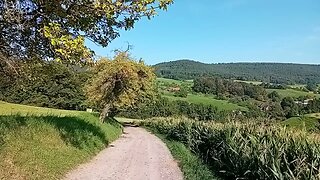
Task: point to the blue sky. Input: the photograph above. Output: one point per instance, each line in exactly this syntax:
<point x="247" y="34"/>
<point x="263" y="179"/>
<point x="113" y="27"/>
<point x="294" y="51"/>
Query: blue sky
<point x="217" y="31"/>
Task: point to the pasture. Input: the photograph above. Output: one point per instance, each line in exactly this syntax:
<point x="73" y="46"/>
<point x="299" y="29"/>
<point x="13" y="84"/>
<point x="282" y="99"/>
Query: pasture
<point x="307" y="122"/>
<point x="12" y="109"/>
<point x="293" y="93"/>
<point x="206" y="100"/>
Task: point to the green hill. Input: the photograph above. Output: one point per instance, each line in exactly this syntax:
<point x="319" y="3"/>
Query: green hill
<point x="43" y="143"/>
<point x="266" y="72"/>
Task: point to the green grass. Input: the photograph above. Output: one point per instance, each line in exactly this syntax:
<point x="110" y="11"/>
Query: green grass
<point x="308" y="123"/>
<point x="207" y="100"/>
<point x="197" y="99"/>
<point x="191" y="165"/>
<point x="43" y="143"/>
<point x="9" y="108"/>
<point x="292" y="93"/>
<point x="170" y="81"/>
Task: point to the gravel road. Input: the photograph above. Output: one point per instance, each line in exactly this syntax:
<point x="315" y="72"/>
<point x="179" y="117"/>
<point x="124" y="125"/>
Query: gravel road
<point x="137" y="155"/>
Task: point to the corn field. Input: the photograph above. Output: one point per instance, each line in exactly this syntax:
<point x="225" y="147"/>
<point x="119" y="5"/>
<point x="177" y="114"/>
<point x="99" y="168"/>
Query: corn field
<point x="246" y="150"/>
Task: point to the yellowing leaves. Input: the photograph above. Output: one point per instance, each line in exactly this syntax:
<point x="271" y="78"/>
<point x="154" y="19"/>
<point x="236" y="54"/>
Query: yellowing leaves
<point x="120" y="82"/>
<point x="68" y="49"/>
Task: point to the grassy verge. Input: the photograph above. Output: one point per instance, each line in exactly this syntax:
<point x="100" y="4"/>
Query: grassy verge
<point x="41" y="146"/>
<point x="191" y="165"/>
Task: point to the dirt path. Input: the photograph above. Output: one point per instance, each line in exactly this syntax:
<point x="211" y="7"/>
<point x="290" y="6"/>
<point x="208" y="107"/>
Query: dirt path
<point x="137" y="155"/>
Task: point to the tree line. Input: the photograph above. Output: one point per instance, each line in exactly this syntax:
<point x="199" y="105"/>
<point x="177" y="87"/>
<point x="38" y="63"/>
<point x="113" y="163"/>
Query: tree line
<point x="223" y="87"/>
<point x="49" y="84"/>
<point x="163" y="107"/>
<point x="256" y="99"/>
<point x="277" y="73"/>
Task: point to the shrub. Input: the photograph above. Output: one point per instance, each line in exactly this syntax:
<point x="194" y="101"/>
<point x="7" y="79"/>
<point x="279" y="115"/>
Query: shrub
<point x="181" y="93"/>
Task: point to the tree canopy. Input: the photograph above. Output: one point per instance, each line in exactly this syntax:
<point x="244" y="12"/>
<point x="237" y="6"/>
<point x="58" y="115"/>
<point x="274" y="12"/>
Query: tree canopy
<point x="48" y="84"/>
<point x="277" y="73"/>
<point x="119" y="83"/>
<point x="47" y="30"/>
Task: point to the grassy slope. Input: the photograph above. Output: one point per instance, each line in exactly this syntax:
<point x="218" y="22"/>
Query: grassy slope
<point x="48" y="142"/>
<point x="207" y="100"/>
<point x="170" y="81"/>
<point x="308" y="122"/>
<point x="292" y="93"/>
<point x="9" y="109"/>
<point x="196" y="99"/>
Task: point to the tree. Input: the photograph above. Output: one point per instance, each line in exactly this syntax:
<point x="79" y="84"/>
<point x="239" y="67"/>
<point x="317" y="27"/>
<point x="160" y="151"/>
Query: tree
<point x="290" y="107"/>
<point x="183" y="92"/>
<point x="312" y="87"/>
<point x="48" y="84"/>
<point x="57" y="29"/>
<point x="274" y="96"/>
<point x="119" y="83"/>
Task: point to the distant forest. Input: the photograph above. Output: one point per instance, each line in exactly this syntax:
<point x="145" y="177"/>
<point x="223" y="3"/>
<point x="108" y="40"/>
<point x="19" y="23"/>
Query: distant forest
<point x="279" y="73"/>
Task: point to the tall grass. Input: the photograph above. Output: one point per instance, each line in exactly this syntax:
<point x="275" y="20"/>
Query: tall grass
<point x="191" y="165"/>
<point x="48" y="146"/>
<point x="247" y="150"/>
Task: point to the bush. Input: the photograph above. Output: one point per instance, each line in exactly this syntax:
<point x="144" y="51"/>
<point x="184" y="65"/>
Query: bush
<point x="182" y="93"/>
<point x="247" y="150"/>
<point x="47" y="85"/>
<point x="163" y="107"/>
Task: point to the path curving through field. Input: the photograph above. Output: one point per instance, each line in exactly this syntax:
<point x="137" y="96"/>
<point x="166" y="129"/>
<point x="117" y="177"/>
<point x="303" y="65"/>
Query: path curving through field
<point x="137" y="155"/>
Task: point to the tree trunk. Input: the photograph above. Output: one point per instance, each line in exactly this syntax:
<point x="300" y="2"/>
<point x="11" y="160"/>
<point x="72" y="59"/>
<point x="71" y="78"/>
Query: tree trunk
<point x="104" y="113"/>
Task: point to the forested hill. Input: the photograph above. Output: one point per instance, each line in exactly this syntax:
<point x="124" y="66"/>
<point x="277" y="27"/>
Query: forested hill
<point x="266" y="72"/>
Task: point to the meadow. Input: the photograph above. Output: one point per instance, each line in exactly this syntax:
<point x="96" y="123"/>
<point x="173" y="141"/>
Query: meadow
<point x="43" y="143"/>
<point x="206" y="100"/>
<point x="13" y="109"/>
<point x="173" y="81"/>
<point x="286" y="92"/>
<point x="164" y="83"/>
<point x="292" y="93"/>
<point x="309" y="122"/>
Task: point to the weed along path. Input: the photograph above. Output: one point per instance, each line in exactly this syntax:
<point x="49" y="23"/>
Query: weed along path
<point x="137" y="155"/>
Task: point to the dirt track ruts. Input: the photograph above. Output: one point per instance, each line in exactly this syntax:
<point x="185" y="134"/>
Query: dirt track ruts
<point x="137" y="155"/>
